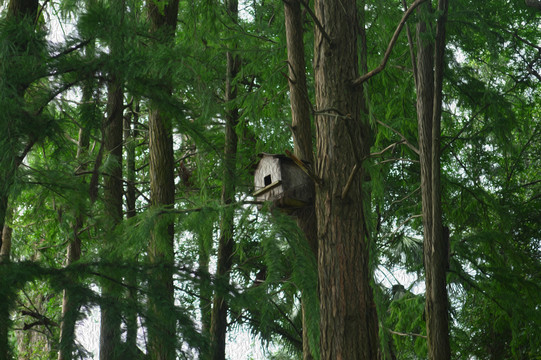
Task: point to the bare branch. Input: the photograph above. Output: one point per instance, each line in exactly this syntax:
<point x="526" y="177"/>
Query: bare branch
<point x="406" y="334"/>
<point x="316" y="21"/>
<point x="383" y="63"/>
<point x="390" y="147"/>
<point x="404" y="140"/>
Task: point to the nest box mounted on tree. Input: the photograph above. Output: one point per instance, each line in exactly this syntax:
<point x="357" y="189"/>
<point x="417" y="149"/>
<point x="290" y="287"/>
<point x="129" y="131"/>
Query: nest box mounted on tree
<point x="279" y="179"/>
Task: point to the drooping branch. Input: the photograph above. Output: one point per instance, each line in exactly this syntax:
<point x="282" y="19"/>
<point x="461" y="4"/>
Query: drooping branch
<point x="387" y="54"/>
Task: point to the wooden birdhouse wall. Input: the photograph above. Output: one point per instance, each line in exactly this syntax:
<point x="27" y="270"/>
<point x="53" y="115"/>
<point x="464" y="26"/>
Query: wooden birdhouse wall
<point x="295" y="181"/>
<point x="268" y="172"/>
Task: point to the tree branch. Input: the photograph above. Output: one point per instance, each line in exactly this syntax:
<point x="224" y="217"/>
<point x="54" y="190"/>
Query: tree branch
<point x="402" y="137"/>
<point x="406" y="334"/>
<point x="383" y="63"/>
<point x="316" y="21"/>
<point x="412" y="51"/>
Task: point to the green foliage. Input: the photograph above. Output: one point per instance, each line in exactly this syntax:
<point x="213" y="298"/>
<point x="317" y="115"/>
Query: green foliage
<point x="491" y="153"/>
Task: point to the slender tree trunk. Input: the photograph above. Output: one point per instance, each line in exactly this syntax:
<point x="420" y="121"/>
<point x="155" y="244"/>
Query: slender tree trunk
<point x="302" y="133"/>
<point x="205" y="293"/>
<point x="218" y="327"/>
<point x="349" y="327"/>
<point x="7" y="232"/>
<point x="70" y="305"/>
<point x="429" y="103"/>
<point x="113" y="191"/>
<point x="131" y="276"/>
<point x="161" y="324"/>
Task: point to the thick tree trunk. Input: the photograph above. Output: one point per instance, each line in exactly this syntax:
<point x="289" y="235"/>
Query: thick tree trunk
<point x="19" y="11"/>
<point x="218" y="327"/>
<point x="349" y="328"/>
<point x="113" y="191"/>
<point x="302" y="131"/>
<point x="536" y="4"/>
<point x="429" y="103"/>
<point x="161" y="325"/>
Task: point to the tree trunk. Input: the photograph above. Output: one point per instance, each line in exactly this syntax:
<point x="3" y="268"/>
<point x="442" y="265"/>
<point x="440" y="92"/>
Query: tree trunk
<point x="349" y="327"/>
<point x="131" y="276"/>
<point x="113" y="191"/>
<point x="302" y="132"/>
<point x="20" y="11"/>
<point x="536" y="4"/>
<point x="5" y="244"/>
<point x="218" y="327"/>
<point x="70" y="305"/>
<point x="161" y="324"/>
<point x="429" y="103"/>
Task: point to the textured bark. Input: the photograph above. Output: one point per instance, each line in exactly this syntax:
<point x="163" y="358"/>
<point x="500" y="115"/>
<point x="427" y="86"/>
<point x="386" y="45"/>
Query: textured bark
<point x="205" y="293"/>
<point x="131" y="278"/>
<point x="349" y="328"/>
<point x="226" y="243"/>
<point x="19" y="11"/>
<point x="302" y="129"/>
<point x="161" y="325"/>
<point x="7" y="232"/>
<point x="536" y="4"/>
<point x="429" y="104"/>
<point x="113" y="191"/>
<point x="23" y="8"/>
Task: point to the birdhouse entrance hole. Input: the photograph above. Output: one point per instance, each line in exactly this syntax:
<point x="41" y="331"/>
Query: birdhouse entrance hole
<point x="267" y="180"/>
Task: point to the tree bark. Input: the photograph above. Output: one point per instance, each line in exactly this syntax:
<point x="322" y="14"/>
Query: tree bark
<point x="349" y="328"/>
<point x="7" y="232"/>
<point x="20" y="11"/>
<point x="70" y="305"/>
<point x="131" y="276"/>
<point x="161" y="325"/>
<point x="113" y="191"/>
<point x="536" y="4"/>
<point x="302" y="132"/>
<point x="226" y="242"/>
<point x="429" y="104"/>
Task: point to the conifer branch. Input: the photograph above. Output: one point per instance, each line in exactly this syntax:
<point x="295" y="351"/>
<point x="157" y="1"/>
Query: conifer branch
<point x="383" y="63"/>
<point x="72" y="49"/>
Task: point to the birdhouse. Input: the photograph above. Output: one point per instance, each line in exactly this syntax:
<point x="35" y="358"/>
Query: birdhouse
<point x="278" y="179"/>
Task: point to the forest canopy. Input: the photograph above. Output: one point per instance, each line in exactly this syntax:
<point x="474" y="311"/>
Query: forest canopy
<point x="131" y="133"/>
